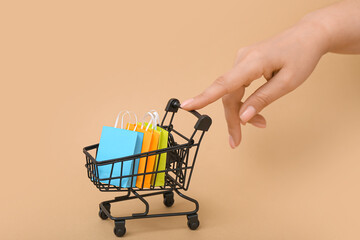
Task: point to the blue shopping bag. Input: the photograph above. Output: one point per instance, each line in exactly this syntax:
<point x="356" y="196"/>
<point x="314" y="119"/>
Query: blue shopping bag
<point x="116" y="143"/>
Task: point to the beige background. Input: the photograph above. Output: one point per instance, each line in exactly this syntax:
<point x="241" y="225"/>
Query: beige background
<point x="68" y="67"/>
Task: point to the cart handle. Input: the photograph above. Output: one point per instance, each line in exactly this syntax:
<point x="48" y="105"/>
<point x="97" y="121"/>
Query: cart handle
<point x="204" y="121"/>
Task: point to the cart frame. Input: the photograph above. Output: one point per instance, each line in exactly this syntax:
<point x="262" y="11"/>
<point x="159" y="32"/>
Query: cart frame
<point x="178" y="172"/>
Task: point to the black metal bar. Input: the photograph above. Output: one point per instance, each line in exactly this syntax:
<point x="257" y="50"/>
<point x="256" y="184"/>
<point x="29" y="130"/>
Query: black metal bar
<point x="143" y="180"/>
<point x="187" y="139"/>
<point x="156" y="170"/>
<point x="145" y="214"/>
<point x="146" y="205"/>
<point x="193" y="164"/>
<point x="112" y="169"/>
<point x="171" y="119"/>
<point x="174" y="181"/>
<point x="189" y="199"/>
<point x="178" y="171"/>
<point x="140" y="155"/>
<point x="121" y="172"/>
<point x="133" y="171"/>
<point x="144" y="173"/>
<point x="163" y="120"/>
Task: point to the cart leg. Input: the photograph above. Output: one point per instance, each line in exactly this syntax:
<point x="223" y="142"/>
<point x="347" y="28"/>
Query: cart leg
<point x="121" y="198"/>
<point x="189" y="199"/>
<point x="144" y="201"/>
<point x="104" y="207"/>
<point x="120" y="229"/>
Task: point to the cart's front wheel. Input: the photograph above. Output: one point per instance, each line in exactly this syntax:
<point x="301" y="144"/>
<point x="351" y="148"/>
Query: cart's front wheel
<point x="169" y="199"/>
<point x="193" y="221"/>
<point x="119" y="229"/>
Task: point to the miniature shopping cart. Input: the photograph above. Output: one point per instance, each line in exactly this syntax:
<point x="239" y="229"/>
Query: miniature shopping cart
<point x="180" y="161"/>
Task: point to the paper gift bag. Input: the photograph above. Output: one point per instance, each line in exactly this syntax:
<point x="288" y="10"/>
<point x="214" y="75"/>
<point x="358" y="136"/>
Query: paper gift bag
<point x="151" y="159"/>
<point x="160" y="161"/>
<point x="150" y="143"/>
<point x="117" y="143"/>
<point x="131" y="168"/>
<point x="147" y="133"/>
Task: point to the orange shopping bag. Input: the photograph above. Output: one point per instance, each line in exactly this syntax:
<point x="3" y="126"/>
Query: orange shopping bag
<point x="150" y="143"/>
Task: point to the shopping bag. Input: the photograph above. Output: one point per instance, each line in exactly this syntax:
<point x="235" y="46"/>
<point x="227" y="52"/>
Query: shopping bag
<point x="160" y="161"/>
<point x="150" y="166"/>
<point x="131" y="168"/>
<point x="116" y="143"/>
<point x="150" y="143"/>
<point x="147" y="133"/>
<point x="134" y="169"/>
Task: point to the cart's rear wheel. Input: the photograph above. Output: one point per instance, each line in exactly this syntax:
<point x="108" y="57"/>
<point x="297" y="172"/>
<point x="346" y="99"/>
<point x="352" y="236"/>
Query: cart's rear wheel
<point x="119" y="229"/>
<point x="102" y="215"/>
<point x="193" y="221"/>
<point x="169" y="199"/>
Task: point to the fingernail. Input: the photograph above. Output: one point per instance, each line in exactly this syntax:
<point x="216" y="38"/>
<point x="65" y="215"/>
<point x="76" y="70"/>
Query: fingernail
<point x="249" y="113"/>
<point x="231" y="142"/>
<point x="186" y="102"/>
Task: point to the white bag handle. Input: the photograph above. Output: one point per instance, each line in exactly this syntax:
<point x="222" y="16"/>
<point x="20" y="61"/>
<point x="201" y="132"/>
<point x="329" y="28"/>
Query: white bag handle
<point x="122" y="119"/>
<point x="152" y="120"/>
<point x="157" y="117"/>
<point x="136" y="121"/>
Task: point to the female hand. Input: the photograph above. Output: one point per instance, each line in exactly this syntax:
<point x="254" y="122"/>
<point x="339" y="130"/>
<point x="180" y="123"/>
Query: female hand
<point x="285" y="61"/>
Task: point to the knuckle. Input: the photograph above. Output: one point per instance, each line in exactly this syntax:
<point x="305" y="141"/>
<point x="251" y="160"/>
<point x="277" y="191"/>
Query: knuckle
<point x="220" y="80"/>
<point x="262" y="99"/>
<point x="222" y="83"/>
<point x="253" y="71"/>
<point x="241" y="51"/>
<point x="287" y="82"/>
<point x="254" y="54"/>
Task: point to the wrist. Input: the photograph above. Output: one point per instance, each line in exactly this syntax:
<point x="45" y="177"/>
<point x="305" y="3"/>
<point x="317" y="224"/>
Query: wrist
<point x="317" y="31"/>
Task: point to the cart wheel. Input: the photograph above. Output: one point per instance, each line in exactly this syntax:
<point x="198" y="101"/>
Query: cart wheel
<point x="102" y="215"/>
<point x="169" y="199"/>
<point x="119" y="229"/>
<point x="193" y="221"/>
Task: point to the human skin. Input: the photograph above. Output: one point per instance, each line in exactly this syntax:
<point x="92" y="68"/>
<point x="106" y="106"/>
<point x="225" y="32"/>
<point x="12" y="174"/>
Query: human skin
<point x="285" y="61"/>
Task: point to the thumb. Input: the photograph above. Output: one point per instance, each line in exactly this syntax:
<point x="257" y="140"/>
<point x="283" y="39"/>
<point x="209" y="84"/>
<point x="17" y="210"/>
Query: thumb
<point x="281" y="84"/>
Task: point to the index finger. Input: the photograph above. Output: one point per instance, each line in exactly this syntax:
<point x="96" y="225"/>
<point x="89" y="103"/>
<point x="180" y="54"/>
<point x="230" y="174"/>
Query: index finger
<point x="242" y="74"/>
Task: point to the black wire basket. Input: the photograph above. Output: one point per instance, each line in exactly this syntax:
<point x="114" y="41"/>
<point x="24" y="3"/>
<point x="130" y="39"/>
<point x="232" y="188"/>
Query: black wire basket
<point x="180" y="162"/>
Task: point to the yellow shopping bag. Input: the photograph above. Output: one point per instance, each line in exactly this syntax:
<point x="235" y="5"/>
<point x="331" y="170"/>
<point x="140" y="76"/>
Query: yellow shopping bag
<point x="160" y="162"/>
